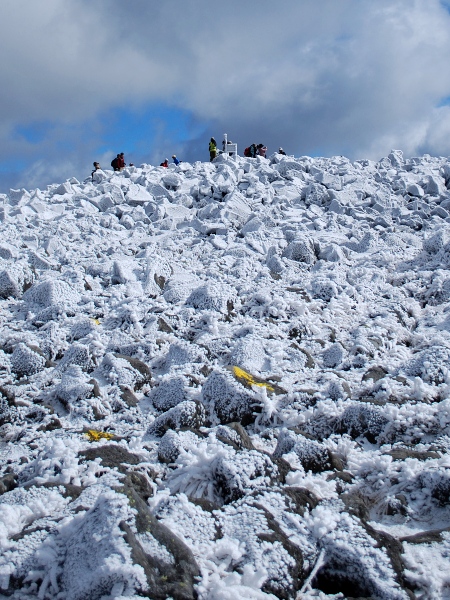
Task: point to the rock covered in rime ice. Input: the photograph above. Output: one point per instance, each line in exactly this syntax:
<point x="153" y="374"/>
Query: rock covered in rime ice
<point x="249" y="353"/>
<point x="354" y="562"/>
<point x="173" y="442"/>
<point x="14" y="279"/>
<point x="431" y="365"/>
<point x="217" y="296"/>
<point x="73" y="387"/>
<point x="186" y="414"/>
<point x="212" y="376"/>
<point x="312" y="455"/>
<point x="106" y="564"/>
<point x="77" y="354"/>
<point x="169" y="393"/>
<point x="120" y="370"/>
<point x="301" y="251"/>
<point x="324" y="289"/>
<point x="25" y="361"/>
<point x="52" y="291"/>
<point x="183" y="353"/>
<point x="363" y="420"/>
<point x="228" y="399"/>
<point x="333" y="356"/>
<point x="243" y="472"/>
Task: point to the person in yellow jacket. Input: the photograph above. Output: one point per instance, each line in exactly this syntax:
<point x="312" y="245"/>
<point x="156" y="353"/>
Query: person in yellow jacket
<point x="212" y="149"/>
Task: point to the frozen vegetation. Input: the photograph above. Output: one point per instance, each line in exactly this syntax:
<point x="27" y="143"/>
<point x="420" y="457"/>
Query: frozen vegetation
<point x="227" y="381"/>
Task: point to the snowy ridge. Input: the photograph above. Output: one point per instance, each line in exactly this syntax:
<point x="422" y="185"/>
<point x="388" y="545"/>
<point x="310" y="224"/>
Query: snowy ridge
<point x="227" y="380"/>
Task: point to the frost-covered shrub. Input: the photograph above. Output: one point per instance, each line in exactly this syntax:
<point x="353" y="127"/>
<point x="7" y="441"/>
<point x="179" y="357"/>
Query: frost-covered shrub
<point x="363" y="420"/>
<point x="25" y="361"/>
<point x="431" y="365"/>
<point x="434" y="482"/>
<point x="169" y="393"/>
<point x="324" y="289"/>
<point x="333" y="356"/>
<point x="228" y="399"/>
<point x="172" y="442"/>
<point x="301" y="251"/>
<point x="214" y="295"/>
<point x="51" y="291"/>
<point x="313" y="455"/>
<point x="186" y="414"/>
<point x="243" y="472"/>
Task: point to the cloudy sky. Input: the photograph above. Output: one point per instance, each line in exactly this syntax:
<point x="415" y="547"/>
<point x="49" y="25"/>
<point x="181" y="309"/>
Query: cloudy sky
<point x="83" y="80"/>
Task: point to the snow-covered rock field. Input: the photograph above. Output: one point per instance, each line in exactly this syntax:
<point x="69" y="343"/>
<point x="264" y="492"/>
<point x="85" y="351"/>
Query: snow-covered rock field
<point x="227" y="380"/>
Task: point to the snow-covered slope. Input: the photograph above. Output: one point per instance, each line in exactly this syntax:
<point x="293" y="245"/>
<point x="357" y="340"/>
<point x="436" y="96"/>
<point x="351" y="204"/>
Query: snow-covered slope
<point x="227" y="380"/>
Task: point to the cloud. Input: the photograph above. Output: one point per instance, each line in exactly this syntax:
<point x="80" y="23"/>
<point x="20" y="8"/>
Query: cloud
<point x="353" y="77"/>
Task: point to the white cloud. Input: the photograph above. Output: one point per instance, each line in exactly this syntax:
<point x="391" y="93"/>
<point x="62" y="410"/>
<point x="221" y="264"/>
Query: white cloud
<point x="350" y="77"/>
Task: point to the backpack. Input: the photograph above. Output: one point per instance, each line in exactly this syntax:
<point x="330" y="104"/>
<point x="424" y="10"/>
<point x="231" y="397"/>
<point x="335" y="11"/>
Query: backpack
<point x="247" y="151"/>
<point x="114" y="163"/>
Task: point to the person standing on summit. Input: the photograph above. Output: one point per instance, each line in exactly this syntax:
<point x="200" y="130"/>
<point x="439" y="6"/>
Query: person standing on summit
<point x="212" y="149"/>
<point x="121" y="161"/>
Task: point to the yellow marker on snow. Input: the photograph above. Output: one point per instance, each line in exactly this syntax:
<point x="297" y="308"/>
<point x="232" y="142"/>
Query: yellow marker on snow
<point x="95" y="436"/>
<point x="248" y="379"/>
<point x="96" y="321"/>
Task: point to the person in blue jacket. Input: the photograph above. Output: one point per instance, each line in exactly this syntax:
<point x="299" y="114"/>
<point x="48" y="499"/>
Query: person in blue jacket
<point x="175" y="159"/>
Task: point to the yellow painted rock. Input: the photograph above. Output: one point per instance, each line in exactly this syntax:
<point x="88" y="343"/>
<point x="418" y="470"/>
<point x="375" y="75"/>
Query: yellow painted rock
<point x="95" y="436"/>
<point x="248" y="380"/>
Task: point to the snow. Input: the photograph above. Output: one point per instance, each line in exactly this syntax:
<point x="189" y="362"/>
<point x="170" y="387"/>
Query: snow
<point x="319" y="468"/>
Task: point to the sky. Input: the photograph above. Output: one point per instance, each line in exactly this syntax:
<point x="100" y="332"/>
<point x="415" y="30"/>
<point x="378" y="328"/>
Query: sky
<point x="82" y="81"/>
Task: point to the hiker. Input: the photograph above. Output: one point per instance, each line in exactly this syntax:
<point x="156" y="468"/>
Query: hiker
<point x="212" y="149"/>
<point x="165" y="163"/>
<point x="262" y="150"/>
<point x="115" y="163"/>
<point x="281" y="151"/>
<point x="121" y="161"/>
<point x="175" y="159"/>
<point x="97" y="167"/>
<point x="253" y="150"/>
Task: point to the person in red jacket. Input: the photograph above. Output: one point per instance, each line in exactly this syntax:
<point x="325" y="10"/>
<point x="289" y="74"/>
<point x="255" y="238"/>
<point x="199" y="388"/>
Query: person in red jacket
<point x="165" y="163"/>
<point x="120" y="161"/>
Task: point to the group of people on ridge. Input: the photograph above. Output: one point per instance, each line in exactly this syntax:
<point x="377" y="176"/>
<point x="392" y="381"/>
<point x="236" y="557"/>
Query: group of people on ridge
<point x="118" y="163"/>
<point x="254" y="150"/>
<point x="165" y="163"/>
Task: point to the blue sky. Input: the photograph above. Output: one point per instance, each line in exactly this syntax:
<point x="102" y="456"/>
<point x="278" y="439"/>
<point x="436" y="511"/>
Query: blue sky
<point x="82" y="81"/>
